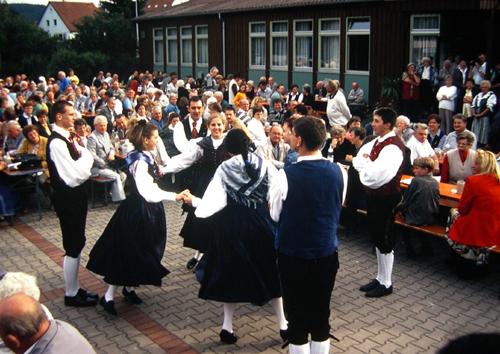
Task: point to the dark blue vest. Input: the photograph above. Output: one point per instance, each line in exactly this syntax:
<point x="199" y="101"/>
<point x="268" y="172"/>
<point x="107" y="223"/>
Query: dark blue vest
<point x="310" y="215"/>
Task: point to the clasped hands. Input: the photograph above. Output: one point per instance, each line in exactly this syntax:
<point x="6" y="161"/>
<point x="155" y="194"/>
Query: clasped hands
<point x="185" y="196"/>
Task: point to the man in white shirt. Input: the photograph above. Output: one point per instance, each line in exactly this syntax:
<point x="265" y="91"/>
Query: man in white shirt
<point x="459" y="126"/>
<point x="419" y="145"/>
<point x="256" y="128"/>
<point x="69" y="165"/>
<point x="337" y="110"/>
<point x="275" y="150"/>
<point x="191" y="126"/>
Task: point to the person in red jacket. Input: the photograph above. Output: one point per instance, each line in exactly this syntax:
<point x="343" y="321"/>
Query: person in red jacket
<point x="476" y="223"/>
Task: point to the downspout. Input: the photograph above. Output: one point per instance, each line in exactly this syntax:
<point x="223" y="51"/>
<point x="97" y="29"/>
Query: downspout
<point x="223" y="44"/>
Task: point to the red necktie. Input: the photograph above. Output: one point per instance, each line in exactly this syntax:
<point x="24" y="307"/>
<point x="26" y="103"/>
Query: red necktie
<point x="194" y="132"/>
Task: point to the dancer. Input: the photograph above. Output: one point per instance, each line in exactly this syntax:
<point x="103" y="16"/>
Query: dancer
<point x="69" y="166"/>
<point x="130" y="250"/>
<point x="380" y="164"/>
<point x="240" y="263"/>
<point x="206" y="155"/>
<point x="306" y="199"/>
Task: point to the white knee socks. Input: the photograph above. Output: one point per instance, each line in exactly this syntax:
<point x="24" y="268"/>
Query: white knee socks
<point x="386" y="262"/>
<point x="70" y="269"/>
<point x="299" y="349"/>
<point x="379" y="270"/>
<point x="110" y="293"/>
<point x="320" y="347"/>
<point x="228" y="317"/>
<point x="277" y="304"/>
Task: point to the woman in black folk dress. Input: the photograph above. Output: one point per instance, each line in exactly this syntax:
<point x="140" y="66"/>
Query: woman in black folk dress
<point x="239" y="265"/>
<point x="206" y="155"/>
<point x="130" y="250"/>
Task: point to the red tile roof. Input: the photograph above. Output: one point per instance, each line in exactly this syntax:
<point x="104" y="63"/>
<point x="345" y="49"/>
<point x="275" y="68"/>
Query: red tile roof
<point x="72" y="12"/>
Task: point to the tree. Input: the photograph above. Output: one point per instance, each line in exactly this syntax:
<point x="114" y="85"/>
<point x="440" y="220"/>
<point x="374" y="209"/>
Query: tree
<point x="124" y="7"/>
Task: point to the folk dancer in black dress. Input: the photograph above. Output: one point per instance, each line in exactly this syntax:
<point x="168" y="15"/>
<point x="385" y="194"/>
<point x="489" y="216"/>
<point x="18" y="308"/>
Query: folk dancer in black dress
<point x="240" y="263"/>
<point x="306" y="199"/>
<point x="69" y="166"/>
<point x="131" y="248"/>
<point x="205" y="156"/>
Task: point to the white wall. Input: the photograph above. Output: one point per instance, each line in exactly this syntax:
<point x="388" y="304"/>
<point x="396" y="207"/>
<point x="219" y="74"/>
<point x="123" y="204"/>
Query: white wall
<point x="59" y="28"/>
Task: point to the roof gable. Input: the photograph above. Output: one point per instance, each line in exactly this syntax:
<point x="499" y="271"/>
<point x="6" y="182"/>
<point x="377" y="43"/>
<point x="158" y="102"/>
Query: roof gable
<point x="71" y="12"/>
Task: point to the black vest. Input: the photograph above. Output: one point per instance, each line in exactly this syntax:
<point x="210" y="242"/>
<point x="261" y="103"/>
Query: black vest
<point x="188" y="128"/>
<point x="55" y="181"/>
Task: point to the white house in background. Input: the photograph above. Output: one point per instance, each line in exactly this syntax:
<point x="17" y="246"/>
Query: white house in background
<point x="60" y="17"/>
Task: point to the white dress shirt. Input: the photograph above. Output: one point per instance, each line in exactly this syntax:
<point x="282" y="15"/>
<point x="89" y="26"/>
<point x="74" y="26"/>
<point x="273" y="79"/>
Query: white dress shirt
<point x="181" y="142"/>
<point x="257" y="132"/>
<point x="419" y="149"/>
<point x="72" y="172"/>
<point x="374" y="174"/>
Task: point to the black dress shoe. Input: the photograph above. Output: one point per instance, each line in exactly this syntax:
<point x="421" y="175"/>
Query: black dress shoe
<point x="379" y="291"/>
<point x="131" y="296"/>
<point x="284" y="334"/>
<point x="81" y="299"/>
<point x="108" y="306"/>
<point x="227" y="337"/>
<point x="191" y="263"/>
<point x="85" y="293"/>
<point x="371" y="285"/>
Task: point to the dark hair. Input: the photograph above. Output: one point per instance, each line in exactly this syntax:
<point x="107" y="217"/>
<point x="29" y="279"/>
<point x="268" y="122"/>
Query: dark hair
<point x="279" y="100"/>
<point x="173" y="115"/>
<point x="301" y="109"/>
<point x="27" y="104"/>
<point x="312" y="131"/>
<point x="195" y="99"/>
<point x="230" y="108"/>
<point x="352" y="120"/>
<point x="79" y="122"/>
<point x="138" y="106"/>
<point x="214" y="106"/>
<point x="359" y="132"/>
<point x="60" y="107"/>
<point x="237" y="142"/>
<point x="257" y="109"/>
<point x="289" y="121"/>
<point x="140" y="131"/>
<point x="29" y="128"/>
<point x="387" y="114"/>
<point x="434" y="116"/>
<point x="461" y="117"/>
<point x="43" y="112"/>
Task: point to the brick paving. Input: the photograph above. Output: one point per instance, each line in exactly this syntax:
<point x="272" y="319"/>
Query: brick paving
<point x="429" y="306"/>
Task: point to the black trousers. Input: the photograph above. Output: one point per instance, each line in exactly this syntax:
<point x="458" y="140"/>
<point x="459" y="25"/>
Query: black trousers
<point x="307" y="289"/>
<point x="71" y="209"/>
<point x="380" y="218"/>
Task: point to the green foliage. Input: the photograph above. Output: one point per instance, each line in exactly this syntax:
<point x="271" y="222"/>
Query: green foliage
<point x="126" y="8"/>
<point x="85" y="64"/>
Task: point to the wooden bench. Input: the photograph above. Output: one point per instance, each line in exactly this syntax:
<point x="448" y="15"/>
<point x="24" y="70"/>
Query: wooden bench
<point x="99" y="180"/>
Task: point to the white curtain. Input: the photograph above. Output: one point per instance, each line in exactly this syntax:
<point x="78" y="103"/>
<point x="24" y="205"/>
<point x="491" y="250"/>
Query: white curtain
<point x="423" y="46"/>
<point x="330" y="52"/>
<point x="303" y="52"/>
<point x="280" y="51"/>
<point x="187" y="51"/>
<point x="202" y="51"/>
<point x="158" y="51"/>
<point x="172" y="51"/>
<point x="258" y="51"/>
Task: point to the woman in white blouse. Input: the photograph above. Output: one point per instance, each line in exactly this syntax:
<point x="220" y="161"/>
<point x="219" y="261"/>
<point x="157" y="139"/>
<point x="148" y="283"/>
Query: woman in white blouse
<point x="446" y="96"/>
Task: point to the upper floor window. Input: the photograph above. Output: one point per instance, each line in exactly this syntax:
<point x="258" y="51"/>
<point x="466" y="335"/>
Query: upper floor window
<point x="358" y="44"/>
<point x="279" y="45"/>
<point x="303" y="44"/>
<point x="424" y="37"/>
<point x="329" y="44"/>
<point x="257" y="42"/>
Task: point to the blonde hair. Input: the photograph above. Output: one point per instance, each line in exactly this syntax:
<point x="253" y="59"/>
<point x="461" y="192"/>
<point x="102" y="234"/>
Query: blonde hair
<point x="424" y="162"/>
<point x="216" y="115"/>
<point x="238" y="124"/>
<point x="487" y="163"/>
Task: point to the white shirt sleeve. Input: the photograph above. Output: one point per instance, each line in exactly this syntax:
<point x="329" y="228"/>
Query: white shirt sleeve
<point x="146" y="186"/>
<point x="374" y="174"/>
<point x="72" y="172"/>
<point x="344" y="178"/>
<point x="180" y="140"/>
<point x="278" y="191"/>
<point x="214" y="199"/>
<point x="184" y="160"/>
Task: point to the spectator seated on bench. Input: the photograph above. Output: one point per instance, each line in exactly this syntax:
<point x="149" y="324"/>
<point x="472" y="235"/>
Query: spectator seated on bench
<point x="475" y="227"/>
<point x="420" y="204"/>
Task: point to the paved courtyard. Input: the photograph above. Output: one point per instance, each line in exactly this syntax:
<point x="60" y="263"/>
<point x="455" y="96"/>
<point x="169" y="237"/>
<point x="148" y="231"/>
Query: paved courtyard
<point x="430" y="305"/>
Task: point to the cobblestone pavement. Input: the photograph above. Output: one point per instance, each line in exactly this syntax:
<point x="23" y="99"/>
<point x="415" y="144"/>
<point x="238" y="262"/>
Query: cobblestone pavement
<point x="429" y="306"/>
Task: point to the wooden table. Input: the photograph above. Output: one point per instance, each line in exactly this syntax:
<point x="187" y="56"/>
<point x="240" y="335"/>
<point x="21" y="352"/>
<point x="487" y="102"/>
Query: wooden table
<point x="35" y="172"/>
<point x="446" y="192"/>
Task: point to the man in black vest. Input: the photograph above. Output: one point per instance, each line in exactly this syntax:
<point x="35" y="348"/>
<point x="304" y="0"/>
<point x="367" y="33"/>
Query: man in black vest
<point x="69" y="165"/>
<point x="306" y="199"/>
<point x="192" y="126"/>
<point x="380" y="166"/>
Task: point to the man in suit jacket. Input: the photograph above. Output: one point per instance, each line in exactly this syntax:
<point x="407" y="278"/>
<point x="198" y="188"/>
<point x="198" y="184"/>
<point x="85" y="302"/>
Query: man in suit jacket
<point x="27" y="117"/>
<point x="109" y="112"/>
<point x="39" y="335"/>
<point x="275" y="150"/>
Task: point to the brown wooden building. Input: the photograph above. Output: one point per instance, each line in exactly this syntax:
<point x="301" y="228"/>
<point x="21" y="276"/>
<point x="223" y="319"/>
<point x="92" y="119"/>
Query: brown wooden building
<point x="302" y="41"/>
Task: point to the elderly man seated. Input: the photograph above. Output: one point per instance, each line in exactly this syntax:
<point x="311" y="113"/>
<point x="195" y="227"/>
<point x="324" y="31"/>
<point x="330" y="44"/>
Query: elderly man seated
<point x="14" y="137"/>
<point x="100" y="146"/>
<point x="275" y="149"/>
<point x="402" y="128"/>
<point x="24" y="327"/>
<point x="420" y="147"/>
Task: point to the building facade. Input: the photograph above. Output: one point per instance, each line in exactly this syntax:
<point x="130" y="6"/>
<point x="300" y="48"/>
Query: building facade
<point x="300" y="42"/>
<point x="59" y="18"/>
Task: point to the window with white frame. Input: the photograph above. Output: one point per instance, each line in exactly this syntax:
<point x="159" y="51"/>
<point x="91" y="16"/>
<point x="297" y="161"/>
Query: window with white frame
<point x="303" y="44"/>
<point x="279" y="45"/>
<point x="171" y="45"/>
<point x="358" y="44"/>
<point x="158" y="45"/>
<point x="186" y="46"/>
<point x="202" y="45"/>
<point x="257" y="42"/>
<point x="424" y="37"/>
<point x="329" y="44"/>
